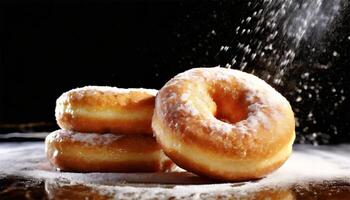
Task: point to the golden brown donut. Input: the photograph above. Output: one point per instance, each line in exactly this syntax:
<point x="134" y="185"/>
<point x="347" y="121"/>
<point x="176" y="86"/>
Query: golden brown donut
<point x="89" y="152"/>
<point x="106" y="110"/>
<point x="223" y="123"/>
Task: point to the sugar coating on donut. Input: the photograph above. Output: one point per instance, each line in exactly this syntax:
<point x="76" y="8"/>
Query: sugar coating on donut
<point x="255" y="89"/>
<point x="85" y="138"/>
<point x="96" y="89"/>
<point x="80" y="93"/>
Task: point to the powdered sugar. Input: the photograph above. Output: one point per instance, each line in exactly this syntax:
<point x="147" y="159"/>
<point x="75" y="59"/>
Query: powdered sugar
<point x="188" y="108"/>
<point x="97" y="89"/>
<point x="184" y="96"/>
<point x="85" y="138"/>
<point x="220" y="126"/>
<point x="92" y="138"/>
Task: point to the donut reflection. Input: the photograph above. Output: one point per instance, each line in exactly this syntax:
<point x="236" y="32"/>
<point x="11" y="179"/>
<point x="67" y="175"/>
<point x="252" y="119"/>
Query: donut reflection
<point x="323" y="191"/>
<point x="12" y="187"/>
<point x="60" y="190"/>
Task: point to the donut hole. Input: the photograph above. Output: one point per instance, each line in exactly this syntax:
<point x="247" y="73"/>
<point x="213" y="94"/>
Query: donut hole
<point x="230" y="107"/>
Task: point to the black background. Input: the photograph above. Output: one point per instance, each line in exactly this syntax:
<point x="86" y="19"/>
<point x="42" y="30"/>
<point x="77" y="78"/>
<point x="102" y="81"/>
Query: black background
<point x="48" y="47"/>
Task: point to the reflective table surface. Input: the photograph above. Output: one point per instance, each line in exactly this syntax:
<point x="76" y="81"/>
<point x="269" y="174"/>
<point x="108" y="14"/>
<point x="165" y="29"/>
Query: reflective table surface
<point x="310" y="173"/>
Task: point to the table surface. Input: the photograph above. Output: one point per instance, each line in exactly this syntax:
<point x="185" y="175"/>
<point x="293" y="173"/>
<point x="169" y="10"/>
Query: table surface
<point x="311" y="173"/>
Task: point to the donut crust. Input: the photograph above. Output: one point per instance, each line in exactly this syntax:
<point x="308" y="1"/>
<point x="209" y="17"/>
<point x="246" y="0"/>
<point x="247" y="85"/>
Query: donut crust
<point x="89" y="152"/>
<point x="224" y="124"/>
<point x="100" y="109"/>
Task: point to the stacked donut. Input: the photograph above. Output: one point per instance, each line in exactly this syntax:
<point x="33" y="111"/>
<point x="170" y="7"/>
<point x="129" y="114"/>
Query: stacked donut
<point x="105" y="129"/>
<point x="220" y="123"/>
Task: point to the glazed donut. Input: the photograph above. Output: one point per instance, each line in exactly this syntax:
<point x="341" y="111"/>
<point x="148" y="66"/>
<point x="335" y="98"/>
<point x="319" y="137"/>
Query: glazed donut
<point x="100" y="109"/>
<point x="224" y="124"/>
<point x="89" y="152"/>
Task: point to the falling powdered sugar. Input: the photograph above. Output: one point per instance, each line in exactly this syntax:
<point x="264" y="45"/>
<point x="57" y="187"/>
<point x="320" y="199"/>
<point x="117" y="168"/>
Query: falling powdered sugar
<point x="288" y="43"/>
<point x="271" y="36"/>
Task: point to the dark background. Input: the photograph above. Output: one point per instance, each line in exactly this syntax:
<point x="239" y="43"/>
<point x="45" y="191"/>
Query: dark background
<point x="49" y="47"/>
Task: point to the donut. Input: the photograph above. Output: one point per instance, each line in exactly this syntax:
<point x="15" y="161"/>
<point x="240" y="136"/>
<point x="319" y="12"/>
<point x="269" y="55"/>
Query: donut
<point x="100" y="109"/>
<point x="224" y="124"/>
<point x="90" y="152"/>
